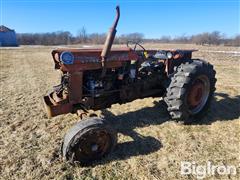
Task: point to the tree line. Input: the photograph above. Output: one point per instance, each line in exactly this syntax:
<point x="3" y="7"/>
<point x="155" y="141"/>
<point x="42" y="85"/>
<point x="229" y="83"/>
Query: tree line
<point x="82" y="37"/>
<point x="206" y="38"/>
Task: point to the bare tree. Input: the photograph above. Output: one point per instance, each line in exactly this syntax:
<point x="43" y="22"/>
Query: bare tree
<point x="135" y="37"/>
<point x="65" y="37"/>
<point x="214" y="37"/>
<point x="165" y="39"/>
<point x="82" y="35"/>
<point x="235" y="41"/>
<point x="181" y="39"/>
<point x="54" y="38"/>
<point x="97" y="38"/>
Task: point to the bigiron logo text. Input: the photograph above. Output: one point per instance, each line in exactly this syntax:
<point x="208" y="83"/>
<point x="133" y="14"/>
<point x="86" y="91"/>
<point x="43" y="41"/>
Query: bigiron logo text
<point x="208" y="169"/>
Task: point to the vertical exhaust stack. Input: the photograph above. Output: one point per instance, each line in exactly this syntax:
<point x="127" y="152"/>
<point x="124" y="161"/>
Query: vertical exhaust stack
<point x="110" y="38"/>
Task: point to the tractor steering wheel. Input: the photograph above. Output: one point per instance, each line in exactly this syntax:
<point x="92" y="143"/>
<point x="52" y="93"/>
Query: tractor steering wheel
<point x="136" y="44"/>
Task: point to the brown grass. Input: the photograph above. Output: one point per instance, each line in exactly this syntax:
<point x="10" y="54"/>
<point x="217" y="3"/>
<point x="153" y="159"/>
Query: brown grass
<point x="150" y="146"/>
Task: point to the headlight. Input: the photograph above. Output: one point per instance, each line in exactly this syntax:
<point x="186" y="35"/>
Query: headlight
<point x="169" y="55"/>
<point x="67" y="57"/>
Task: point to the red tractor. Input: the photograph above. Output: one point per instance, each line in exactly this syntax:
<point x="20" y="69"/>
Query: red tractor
<point x="97" y="78"/>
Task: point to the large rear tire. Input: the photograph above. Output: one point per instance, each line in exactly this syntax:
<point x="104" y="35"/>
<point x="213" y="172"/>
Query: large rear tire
<point x="88" y="140"/>
<point x="190" y="91"/>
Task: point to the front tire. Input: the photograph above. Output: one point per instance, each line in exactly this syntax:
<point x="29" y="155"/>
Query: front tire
<point x="89" y="140"/>
<point x="190" y="91"/>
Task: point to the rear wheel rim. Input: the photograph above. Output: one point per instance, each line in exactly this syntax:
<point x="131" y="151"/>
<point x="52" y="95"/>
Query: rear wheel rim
<point x="198" y="94"/>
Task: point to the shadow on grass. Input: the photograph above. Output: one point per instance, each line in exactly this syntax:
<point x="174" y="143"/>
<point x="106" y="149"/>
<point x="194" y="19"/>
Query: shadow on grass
<point x="126" y="123"/>
<point x="224" y="109"/>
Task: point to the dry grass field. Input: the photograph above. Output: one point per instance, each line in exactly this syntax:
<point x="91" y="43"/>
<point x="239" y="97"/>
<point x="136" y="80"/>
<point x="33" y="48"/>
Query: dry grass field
<point x="150" y="145"/>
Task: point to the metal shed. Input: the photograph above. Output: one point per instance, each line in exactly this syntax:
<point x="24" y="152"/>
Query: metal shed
<point x="7" y="37"/>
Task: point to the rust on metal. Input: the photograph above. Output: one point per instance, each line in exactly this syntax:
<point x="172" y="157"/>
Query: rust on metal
<point x="195" y="94"/>
<point x="74" y="92"/>
<point x="92" y="144"/>
<point x="110" y="37"/>
<point x="54" y="109"/>
<point x="91" y="72"/>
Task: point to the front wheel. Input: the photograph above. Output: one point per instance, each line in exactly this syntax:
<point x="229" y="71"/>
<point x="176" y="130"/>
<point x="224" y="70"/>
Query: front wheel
<point x="190" y="91"/>
<point x="88" y="140"/>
